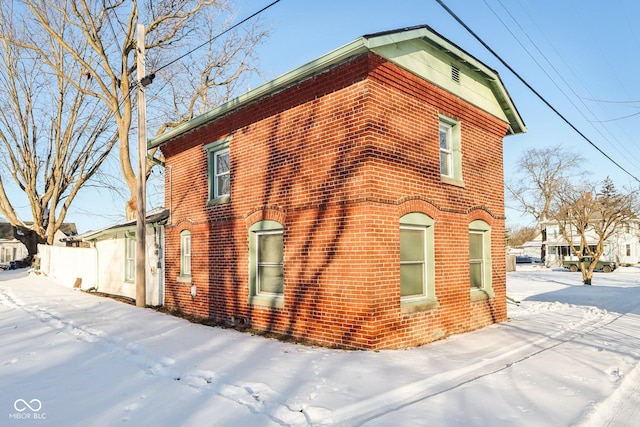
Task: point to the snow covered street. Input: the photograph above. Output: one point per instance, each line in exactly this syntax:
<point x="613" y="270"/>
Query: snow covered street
<point x="569" y="356"/>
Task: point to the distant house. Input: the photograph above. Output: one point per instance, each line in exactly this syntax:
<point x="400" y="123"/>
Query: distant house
<point x="12" y="249"/>
<point x="357" y="201"/>
<point x="623" y="247"/>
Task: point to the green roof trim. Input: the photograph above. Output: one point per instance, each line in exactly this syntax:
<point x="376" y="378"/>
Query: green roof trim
<point x="398" y="46"/>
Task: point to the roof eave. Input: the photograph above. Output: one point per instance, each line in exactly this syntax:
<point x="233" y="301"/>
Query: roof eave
<point x="516" y="124"/>
<point x="358" y="46"/>
<point x="339" y="55"/>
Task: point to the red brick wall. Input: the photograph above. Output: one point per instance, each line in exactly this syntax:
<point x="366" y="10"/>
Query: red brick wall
<point x="338" y="159"/>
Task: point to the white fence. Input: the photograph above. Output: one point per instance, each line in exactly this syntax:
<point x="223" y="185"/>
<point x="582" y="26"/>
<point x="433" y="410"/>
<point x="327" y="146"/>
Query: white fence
<point x="102" y="268"/>
<point x="67" y="265"/>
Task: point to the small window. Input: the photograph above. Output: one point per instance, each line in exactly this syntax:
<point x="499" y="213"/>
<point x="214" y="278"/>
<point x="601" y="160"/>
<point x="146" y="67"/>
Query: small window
<point x="219" y="159"/>
<point x="185" y="253"/>
<point x="628" y="250"/>
<point x="130" y="259"/>
<point x="221" y="176"/>
<point x="266" y="264"/>
<point x="450" y="152"/>
<point x="446" y="150"/>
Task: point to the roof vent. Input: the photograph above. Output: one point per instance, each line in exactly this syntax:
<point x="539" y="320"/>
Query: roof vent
<point x="455" y="74"/>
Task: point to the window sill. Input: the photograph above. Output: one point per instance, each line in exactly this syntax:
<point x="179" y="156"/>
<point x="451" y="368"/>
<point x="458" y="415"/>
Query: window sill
<point x="452" y="181"/>
<point x="481" y="295"/>
<point x="418" y="305"/>
<point x="275" y="301"/>
<point x="219" y="201"/>
<point x="183" y="279"/>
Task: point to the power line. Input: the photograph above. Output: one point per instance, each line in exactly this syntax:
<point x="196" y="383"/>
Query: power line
<point x="591" y="120"/>
<point x="149" y="77"/>
<point x="535" y="92"/>
<point x="219" y="35"/>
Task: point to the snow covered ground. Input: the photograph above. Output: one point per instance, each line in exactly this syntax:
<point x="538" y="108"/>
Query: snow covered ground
<point x="569" y="356"/>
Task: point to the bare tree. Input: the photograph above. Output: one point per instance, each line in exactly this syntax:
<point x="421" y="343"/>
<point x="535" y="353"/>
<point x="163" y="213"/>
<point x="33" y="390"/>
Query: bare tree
<point x="541" y="172"/>
<point x="519" y="235"/>
<point x="174" y="28"/>
<point x="53" y="138"/>
<point x="582" y="212"/>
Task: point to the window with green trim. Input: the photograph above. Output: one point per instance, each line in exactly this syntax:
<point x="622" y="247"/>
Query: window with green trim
<point x="417" y="275"/>
<point x="480" y="255"/>
<point x="185" y="253"/>
<point x="266" y="263"/>
<point x="219" y="170"/>
<point x="130" y="259"/>
<point x="450" y="152"/>
<point x="270" y="265"/>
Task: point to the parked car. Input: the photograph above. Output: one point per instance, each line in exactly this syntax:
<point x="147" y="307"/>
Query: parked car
<point x="574" y="265"/>
<point x="526" y="259"/>
<point x="19" y="263"/>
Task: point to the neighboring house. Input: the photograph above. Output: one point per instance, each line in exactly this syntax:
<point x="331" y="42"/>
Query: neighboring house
<point x="623" y="246"/>
<point x="12" y="249"/>
<point x="357" y="201"/>
<point x="115" y="249"/>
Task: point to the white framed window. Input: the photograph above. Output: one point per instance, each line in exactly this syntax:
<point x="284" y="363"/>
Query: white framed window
<point x="450" y="151"/>
<point x="219" y="166"/>
<point x="413" y="242"/>
<point x="270" y="263"/>
<point x="266" y="264"/>
<point x="130" y="259"/>
<point x="476" y="258"/>
<point x="446" y="150"/>
<point x="417" y="272"/>
<point x="480" y="256"/>
<point x="185" y="253"/>
<point x="221" y="174"/>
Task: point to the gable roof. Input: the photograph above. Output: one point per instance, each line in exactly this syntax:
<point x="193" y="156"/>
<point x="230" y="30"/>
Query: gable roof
<point x="414" y="49"/>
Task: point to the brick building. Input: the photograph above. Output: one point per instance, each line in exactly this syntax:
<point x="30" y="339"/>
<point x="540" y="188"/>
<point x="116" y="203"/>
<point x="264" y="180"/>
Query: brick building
<point x="356" y="201"/>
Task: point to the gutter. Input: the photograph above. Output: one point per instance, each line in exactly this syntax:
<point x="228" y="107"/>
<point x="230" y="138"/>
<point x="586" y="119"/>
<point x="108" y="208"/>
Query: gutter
<point x="361" y="45"/>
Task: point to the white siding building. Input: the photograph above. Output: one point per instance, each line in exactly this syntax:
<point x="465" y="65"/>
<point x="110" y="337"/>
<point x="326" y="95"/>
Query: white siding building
<point x="623" y="246"/>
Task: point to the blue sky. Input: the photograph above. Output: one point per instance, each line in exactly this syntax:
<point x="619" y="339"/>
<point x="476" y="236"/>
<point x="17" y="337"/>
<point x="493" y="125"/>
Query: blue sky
<point x="581" y="56"/>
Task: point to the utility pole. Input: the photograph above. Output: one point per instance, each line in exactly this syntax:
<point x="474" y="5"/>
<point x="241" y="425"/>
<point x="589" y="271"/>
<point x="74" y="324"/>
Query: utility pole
<point x="141" y="287"/>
